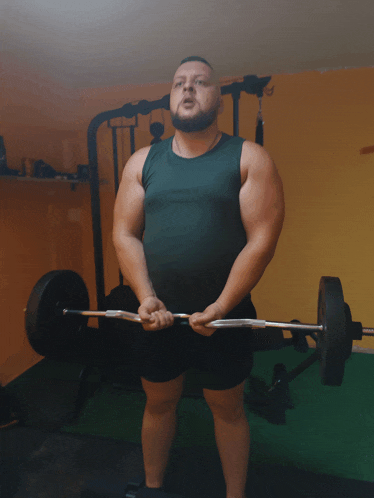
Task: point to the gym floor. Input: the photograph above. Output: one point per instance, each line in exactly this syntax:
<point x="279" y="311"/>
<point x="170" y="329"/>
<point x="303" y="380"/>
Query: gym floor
<point x="323" y="447"/>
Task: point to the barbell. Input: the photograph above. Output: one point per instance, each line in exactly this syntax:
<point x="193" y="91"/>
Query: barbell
<point x="57" y="312"/>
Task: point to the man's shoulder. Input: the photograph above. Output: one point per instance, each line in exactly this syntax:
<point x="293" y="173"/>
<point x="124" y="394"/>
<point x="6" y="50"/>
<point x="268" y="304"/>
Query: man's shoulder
<point x="134" y="165"/>
<point x="141" y="153"/>
<point x="254" y="157"/>
<point x="251" y="150"/>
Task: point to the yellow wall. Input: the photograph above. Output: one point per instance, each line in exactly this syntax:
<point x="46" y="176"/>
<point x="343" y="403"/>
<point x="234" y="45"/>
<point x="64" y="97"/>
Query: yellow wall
<point x="315" y="125"/>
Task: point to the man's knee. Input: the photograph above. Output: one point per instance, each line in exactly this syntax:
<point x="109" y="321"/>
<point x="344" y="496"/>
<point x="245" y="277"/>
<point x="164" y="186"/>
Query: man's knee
<point x="163" y="397"/>
<point x="227" y="404"/>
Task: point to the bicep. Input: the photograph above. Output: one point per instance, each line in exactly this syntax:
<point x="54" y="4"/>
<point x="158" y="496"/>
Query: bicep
<point x="128" y="216"/>
<point x="262" y="203"/>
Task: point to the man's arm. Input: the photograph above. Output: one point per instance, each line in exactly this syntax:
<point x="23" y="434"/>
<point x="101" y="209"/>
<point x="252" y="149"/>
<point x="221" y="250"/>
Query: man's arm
<point x="262" y="211"/>
<point x="128" y="227"/>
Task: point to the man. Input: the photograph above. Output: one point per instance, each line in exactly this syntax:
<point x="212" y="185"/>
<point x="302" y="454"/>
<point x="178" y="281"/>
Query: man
<point x="196" y="222"/>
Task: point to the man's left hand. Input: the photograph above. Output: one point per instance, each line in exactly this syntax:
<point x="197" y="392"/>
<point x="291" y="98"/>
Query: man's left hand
<point x="198" y="320"/>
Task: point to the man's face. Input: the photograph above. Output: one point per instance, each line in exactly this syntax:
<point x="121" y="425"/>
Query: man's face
<point x="194" y="98"/>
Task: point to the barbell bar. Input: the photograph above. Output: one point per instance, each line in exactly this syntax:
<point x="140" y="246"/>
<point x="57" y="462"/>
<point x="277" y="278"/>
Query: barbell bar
<point x="253" y="323"/>
<point x="367" y="331"/>
<point x="57" y="312"/>
<point x="224" y="323"/>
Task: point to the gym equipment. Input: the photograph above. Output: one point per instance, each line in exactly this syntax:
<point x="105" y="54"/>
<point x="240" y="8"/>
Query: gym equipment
<point x="46" y="332"/>
<point x="157" y="130"/>
<point x="53" y="318"/>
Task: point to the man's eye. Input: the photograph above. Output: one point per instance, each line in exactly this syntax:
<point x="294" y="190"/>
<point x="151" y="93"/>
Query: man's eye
<point x="178" y="83"/>
<point x="200" y="82"/>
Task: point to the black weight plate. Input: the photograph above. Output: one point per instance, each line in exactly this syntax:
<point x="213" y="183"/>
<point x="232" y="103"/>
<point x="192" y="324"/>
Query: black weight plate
<point x="48" y="330"/>
<point x="334" y="341"/>
<point x="349" y="322"/>
<point x="355" y="328"/>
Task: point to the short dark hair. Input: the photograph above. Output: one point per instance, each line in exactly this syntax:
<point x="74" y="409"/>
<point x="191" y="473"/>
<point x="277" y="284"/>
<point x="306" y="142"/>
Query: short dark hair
<point x="195" y="58"/>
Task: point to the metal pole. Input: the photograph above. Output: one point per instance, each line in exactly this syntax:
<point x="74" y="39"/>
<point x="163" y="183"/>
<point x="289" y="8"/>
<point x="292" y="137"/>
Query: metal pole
<point x="132" y="139"/>
<point x="115" y="159"/>
<point x="235" y="98"/>
<point x="367" y="331"/>
<point x="116" y="176"/>
<point x="95" y="209"/>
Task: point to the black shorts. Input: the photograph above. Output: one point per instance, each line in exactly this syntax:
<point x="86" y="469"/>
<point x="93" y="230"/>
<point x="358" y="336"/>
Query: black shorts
<point x="223" y="360"/>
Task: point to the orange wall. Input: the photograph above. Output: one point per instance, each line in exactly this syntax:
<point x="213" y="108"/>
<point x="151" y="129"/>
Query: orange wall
<point x="315" y="125"/>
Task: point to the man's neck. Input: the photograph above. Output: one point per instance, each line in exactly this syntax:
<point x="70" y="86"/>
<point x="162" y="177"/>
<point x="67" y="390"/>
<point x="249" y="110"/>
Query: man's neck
<point x="195" y="144"/>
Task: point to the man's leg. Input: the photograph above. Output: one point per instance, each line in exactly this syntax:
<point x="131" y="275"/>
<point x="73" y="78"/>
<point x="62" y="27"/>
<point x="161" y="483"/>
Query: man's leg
<point x="232" y="436"/>
<point x="159" y="426"/>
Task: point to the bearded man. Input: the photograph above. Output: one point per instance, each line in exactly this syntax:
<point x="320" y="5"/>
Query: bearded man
<point x="196" y="222"/>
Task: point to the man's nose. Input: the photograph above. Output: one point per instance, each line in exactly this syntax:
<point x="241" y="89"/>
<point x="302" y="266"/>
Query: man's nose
<point x="188" y="87"/>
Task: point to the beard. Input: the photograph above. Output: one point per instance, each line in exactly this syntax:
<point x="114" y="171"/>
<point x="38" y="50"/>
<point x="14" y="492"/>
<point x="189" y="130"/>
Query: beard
<point x="200" y="122"/>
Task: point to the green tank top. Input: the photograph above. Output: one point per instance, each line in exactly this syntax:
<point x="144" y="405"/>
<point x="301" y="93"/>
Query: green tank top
<point x="193" y="228"/>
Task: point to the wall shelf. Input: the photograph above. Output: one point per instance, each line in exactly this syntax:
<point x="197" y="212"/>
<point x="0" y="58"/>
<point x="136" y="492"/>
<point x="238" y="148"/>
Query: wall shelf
<point x="33" y="179"/>
<point x="72" y="182"/>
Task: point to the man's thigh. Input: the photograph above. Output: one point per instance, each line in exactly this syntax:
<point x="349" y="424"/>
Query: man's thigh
<point x="225" y="359"/>
<point x="160" y="356"/>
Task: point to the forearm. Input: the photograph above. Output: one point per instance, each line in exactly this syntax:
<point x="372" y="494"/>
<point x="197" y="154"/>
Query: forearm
<point x="245" y="273"/>
<point x="131" y="259"/>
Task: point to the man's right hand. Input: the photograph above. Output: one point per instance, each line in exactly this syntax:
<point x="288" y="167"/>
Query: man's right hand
<point x="154" y="314"/>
